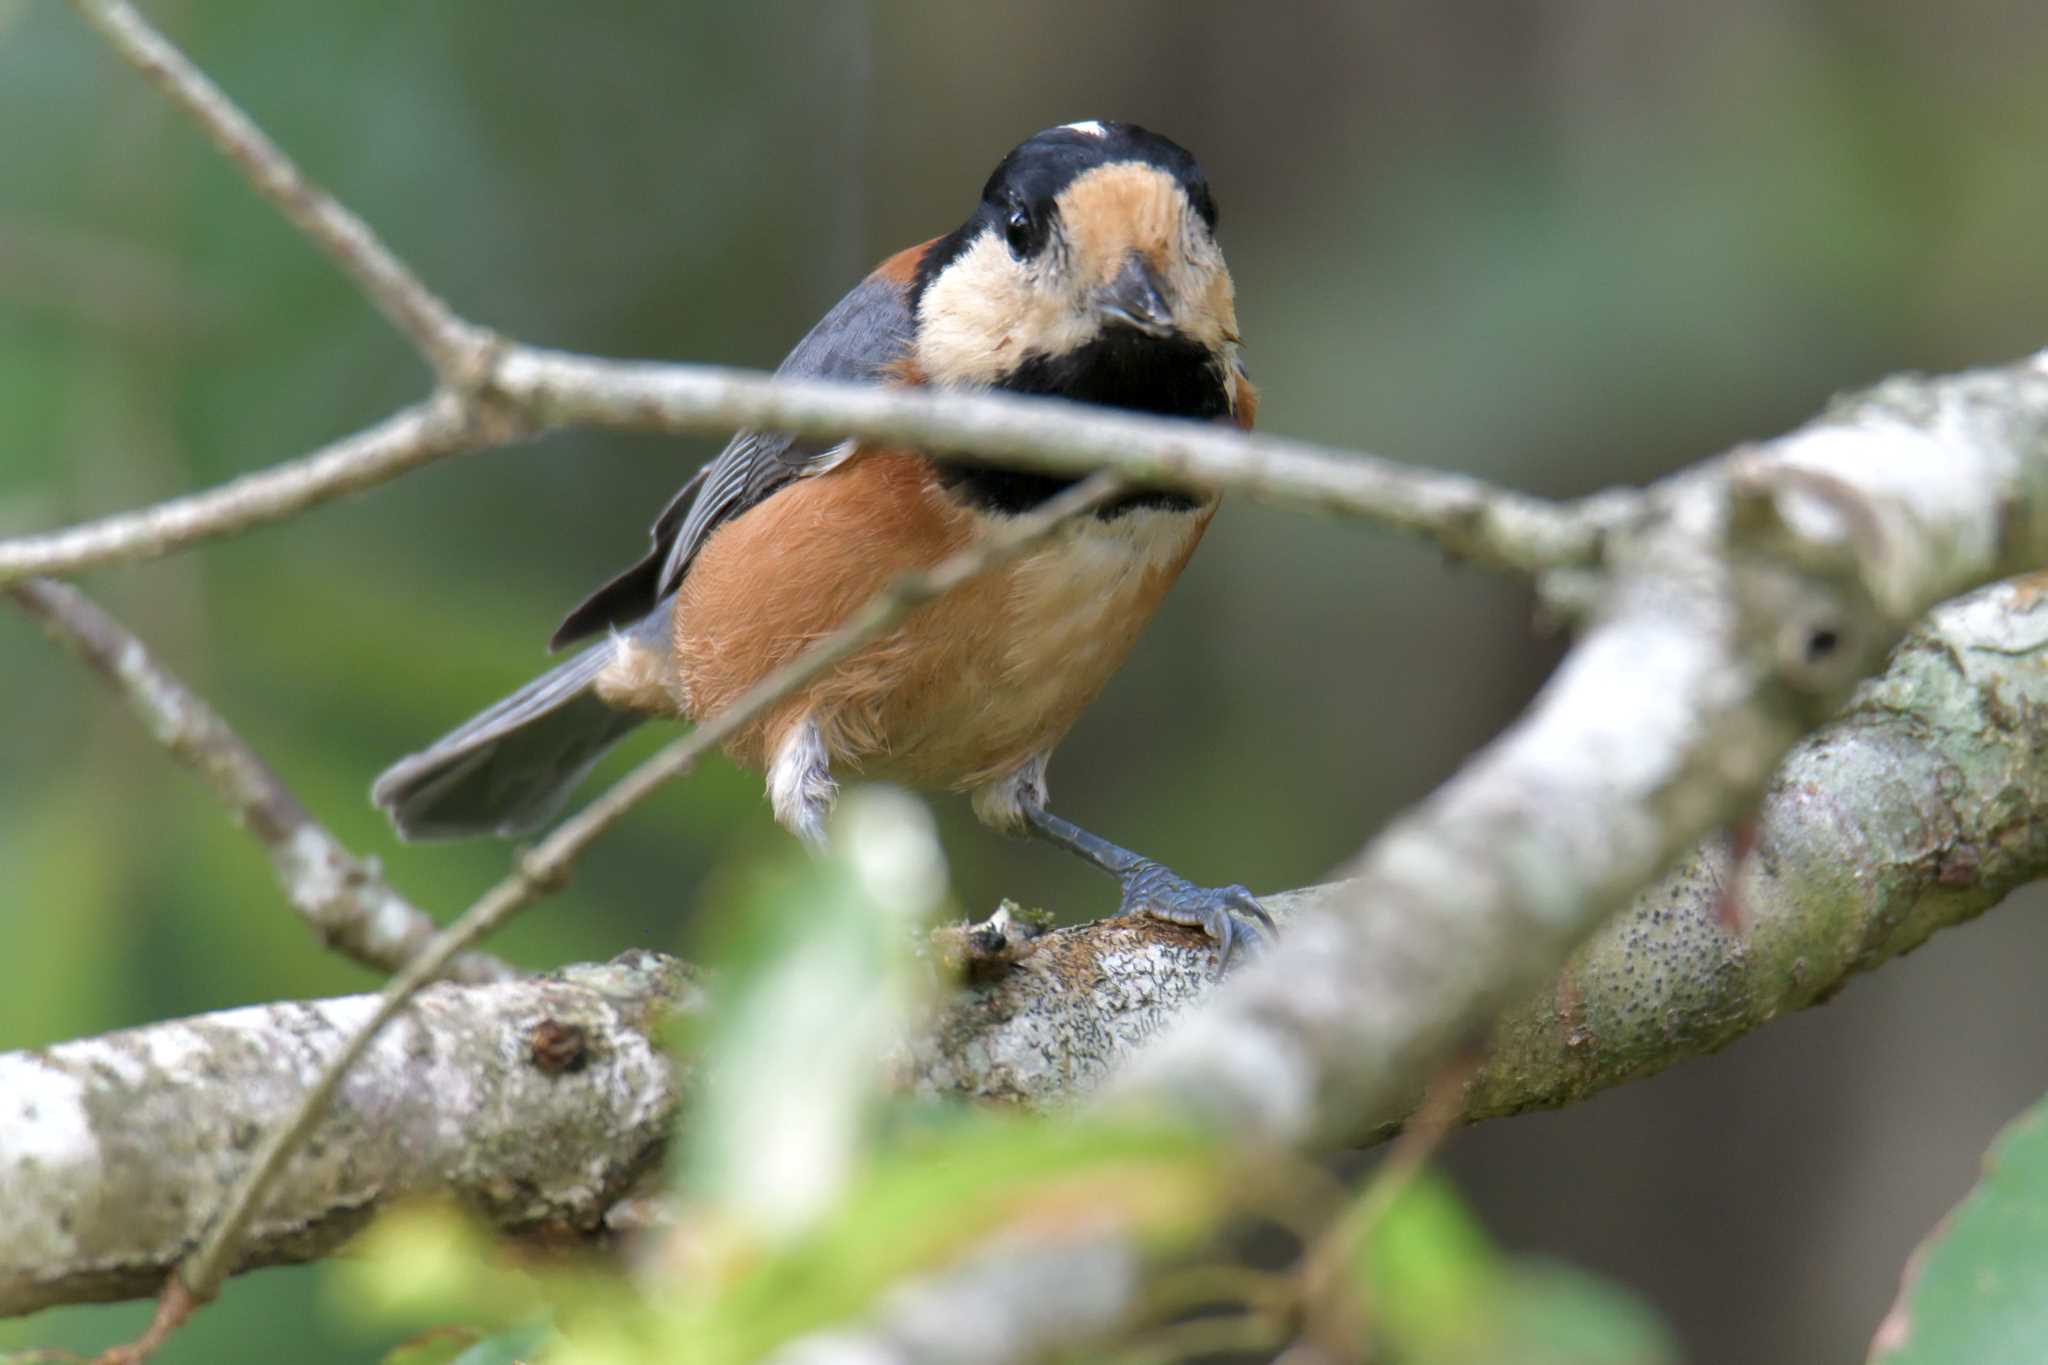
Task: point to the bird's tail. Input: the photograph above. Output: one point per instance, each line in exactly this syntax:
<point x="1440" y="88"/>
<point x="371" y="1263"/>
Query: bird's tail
<point x="510" y="768"/>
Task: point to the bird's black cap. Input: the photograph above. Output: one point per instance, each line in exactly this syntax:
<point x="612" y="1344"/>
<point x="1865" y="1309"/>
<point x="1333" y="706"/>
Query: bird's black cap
<point x="1038" y="168"/>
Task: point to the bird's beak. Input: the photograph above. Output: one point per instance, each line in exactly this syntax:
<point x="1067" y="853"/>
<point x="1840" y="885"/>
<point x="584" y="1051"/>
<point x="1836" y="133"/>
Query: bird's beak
<point x="1135" y="299"/>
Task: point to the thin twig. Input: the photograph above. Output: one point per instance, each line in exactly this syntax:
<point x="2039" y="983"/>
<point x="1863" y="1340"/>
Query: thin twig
<point x="404" y="441"/>
<point x="1336" y="1320"/>
<point x="1918" y="757"/>
<point x="454" y="348"/>
<point x="174" y="1307"/>
<point x="532" y="389"/>
<point x="345" y="900"/>
<point x="519" y="388"/>
<point x="547" y="865"/>
<point x="498" y="392"/>
<point x="1468" y="517"/>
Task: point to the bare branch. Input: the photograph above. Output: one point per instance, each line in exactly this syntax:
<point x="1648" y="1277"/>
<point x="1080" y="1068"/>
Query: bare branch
<point x="547" y="865"/>
<point x="538" y="1102"/>
<point x="1739" y="614"/>
<point x="1469" y="518"/>
<point x="1921" y="806"/>
<point x="534" y="389"/>
<point x="344" y="900"/>
<point x="496" y="392"/>
<point x="174" y="1308"/>
<point x="553" y="388"/>
<point x="454" y="348"/>
<point x="406" y="440"/>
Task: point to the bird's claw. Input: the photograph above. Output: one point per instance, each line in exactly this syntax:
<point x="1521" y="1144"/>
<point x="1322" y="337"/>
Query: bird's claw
<point x="1227" y="914"/>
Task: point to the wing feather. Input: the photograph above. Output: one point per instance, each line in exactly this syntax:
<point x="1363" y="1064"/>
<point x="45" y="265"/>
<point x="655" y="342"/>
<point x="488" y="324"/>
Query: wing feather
<point x="864" y="336"/>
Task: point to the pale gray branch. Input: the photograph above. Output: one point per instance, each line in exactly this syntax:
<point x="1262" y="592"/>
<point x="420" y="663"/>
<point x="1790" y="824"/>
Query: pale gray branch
<point x="547" y="865"/>
<point x="345" y="900"/>
<point x="1469" y="518"/>
<point x="1920" y="806"/>
<point x="1739" y="611"/>
<point x="529" y="389"/>
<point x="495" y="392"/>
<point x="538" y="1102"/>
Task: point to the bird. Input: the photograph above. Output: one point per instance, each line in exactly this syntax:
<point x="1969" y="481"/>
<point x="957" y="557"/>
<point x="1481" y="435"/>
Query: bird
<point x="1089" y="270"/>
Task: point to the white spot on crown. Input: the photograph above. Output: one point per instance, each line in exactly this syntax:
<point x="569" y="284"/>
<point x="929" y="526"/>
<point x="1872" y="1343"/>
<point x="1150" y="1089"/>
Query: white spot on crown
<point x="1092" y="127"/>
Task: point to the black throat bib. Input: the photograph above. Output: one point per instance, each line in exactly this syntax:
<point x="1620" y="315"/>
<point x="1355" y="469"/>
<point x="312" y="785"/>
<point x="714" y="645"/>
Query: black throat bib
<point x="1122" y="368"/>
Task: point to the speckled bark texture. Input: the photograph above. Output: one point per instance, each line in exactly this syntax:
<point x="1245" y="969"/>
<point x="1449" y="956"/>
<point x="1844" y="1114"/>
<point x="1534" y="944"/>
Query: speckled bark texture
<point x="1731" y="611"/>
<point x="536" y="1102"/>
<point x="1922" y="805"/>
<point x="1919" y="807"/>
<point x="1076" y="1003"/>
<point x="1729" y="616"/>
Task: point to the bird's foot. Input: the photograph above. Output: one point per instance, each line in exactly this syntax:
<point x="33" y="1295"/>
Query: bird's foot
<point x="1227" y="914"/>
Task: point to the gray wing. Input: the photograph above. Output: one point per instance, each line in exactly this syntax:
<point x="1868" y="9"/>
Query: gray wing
<point x="865" y="333"/>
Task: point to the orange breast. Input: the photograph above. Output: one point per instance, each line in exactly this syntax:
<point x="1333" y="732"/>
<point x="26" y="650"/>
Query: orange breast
<point x="962" y="691"/>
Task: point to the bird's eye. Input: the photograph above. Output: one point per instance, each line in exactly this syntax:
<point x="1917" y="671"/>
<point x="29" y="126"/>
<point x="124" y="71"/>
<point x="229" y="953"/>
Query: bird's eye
<point x="1021" y="230"/>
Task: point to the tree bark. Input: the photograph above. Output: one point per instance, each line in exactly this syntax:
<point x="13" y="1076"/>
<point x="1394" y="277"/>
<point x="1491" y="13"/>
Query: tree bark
<point x="538" y="1102"/>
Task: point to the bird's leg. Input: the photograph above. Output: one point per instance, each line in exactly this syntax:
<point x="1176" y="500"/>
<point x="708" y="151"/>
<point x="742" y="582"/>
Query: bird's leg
<point x="1225" y="913"/>
<point x="800" y="784"/>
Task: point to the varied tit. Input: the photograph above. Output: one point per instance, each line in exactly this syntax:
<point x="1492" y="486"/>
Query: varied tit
<point x="1088" y="270"/>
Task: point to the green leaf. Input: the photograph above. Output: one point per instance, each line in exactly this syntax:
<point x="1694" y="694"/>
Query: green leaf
<point x="441" y="1346"/>
<point x="517" y="1347"/>
<point x="1976" y="1291"/>
<point x="1436" y="1291"/>
<point x="430" y="1261"/>
<point x="1428" y="1271"/>
<point x="1559" y="1315"/>
<point x="815" y="982"/>
<point x="467" y="1346"/>
<point x="931" y="1199"/>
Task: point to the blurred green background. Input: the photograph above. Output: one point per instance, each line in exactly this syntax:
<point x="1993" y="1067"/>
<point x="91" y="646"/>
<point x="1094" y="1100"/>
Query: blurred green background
<point x="1561" y="245"/>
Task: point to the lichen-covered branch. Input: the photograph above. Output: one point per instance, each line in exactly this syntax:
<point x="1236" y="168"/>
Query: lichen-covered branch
<point x="345" y="900"/>
<point x="1920" y="807"/>
<point x="539" y="1103"/>
<point x="1924" y="803"/>
<point x="547" y="865"/>
<point x="1737" y="611"/>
